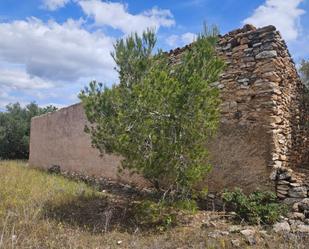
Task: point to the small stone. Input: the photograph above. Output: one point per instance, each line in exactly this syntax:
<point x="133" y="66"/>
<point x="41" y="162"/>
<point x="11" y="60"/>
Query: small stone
<point x="264" y="233"/>
<point x="282" y="227"/>
<point x="272" y="76"/>
<point x="281" y="196"/>
<point x="214" y="234"/>
<point x="302" y="229"/>
<point x="295" y="223"/>
<point x="291" y="201"/>
<point x="257" y="44"/>
<point x="278" y="164"/>
<point x="303" y="205"/>
<point x="215" y="84"/>
<point x="296" y="216"/>
<point x="249" y="236"/>
<point x="295" y="184"/>
<point x="54" y="169"/>
<point x="227" y="47"/>
<point x="234" y="229"/>
<point x="283" y="187"/>
<point x="267" y="29"/>
<point x="266" y="54"/>
<point x="306" y="221"/>
<point x="276" y="120"/>
<point x="249" y="27"/>
<point x="244" y="80"/>
<point x="224" y="233"/>
<point x="283" y="182"/>
<point x="119" y="242"/>
<point x="220" y="86"/>
<point x="244" y="40"/>
<point x="295" y="207"/>
<point x="285" y="175"/>
<point x="298" y="192"/>
<point x="235" y="243"/>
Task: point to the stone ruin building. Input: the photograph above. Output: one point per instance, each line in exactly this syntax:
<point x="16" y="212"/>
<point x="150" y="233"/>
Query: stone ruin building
<point x="262" y="130"/>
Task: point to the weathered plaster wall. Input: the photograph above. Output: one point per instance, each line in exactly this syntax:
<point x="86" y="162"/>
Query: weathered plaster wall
<point x="59" y="139"/>
<point x="260" y="116"/>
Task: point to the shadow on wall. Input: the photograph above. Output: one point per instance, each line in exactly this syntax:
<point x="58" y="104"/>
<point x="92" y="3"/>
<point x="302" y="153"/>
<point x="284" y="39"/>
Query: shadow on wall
<point x="239" y="155"/>
<point x="305" y="125"/>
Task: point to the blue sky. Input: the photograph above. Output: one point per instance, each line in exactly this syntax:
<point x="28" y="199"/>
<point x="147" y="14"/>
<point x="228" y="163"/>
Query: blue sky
<point x="51" y="49"/>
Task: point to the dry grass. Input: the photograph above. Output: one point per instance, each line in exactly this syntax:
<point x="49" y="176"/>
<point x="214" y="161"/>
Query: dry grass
<point x="38" y="210"/>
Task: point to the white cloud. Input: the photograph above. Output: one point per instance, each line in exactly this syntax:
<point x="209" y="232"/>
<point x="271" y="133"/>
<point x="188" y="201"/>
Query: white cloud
<point x="58" y="52"/>
<point x="20" y="80"/>
<point x="54" y="4"/>
<point x="116" y="15"/>
<point x="49" y="61"/>
<point x="180" y="40"/>
<point x="284" y="14"/>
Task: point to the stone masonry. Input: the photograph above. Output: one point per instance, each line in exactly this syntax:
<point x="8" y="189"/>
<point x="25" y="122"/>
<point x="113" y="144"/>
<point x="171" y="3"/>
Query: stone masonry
<point x="260" y="130"/>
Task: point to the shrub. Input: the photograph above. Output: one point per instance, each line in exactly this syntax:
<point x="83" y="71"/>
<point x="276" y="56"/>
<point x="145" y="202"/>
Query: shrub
<point x="162" y="214"/>
<point x="160" y="116"/>
<point x="257" y="208"/>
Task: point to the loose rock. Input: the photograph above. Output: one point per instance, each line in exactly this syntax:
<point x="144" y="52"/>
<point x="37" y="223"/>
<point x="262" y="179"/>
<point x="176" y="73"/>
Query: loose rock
<point x="282" y="227"/>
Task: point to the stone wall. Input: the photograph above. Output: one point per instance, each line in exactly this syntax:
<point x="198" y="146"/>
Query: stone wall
<point x="266" y="91"/>
<point x="260" y="116"/>
<point x="302" y="136"/>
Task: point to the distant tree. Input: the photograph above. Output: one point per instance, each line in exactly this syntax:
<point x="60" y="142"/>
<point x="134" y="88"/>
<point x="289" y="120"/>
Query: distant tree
<point x="304" y="72"/>
<point x="160" y="116"/>
<point x="15" y="129"/>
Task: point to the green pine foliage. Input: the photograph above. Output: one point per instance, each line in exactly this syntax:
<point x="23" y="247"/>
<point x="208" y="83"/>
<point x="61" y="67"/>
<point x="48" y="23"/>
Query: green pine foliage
<point x="159" y="116"/>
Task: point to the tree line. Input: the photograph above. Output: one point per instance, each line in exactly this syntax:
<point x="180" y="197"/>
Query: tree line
<point x="15" y="129"/>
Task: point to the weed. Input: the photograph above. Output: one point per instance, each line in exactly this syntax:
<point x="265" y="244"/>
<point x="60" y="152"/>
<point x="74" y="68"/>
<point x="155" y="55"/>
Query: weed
<point x="257" y="208"/>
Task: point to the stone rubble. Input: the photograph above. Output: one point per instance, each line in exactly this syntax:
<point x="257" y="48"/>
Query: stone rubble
<point x="293" y="189"/>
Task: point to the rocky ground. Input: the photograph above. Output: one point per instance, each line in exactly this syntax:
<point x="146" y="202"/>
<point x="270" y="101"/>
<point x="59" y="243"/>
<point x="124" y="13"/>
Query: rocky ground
<point x="291" y="231"/>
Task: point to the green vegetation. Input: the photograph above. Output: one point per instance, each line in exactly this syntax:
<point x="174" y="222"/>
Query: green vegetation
<point x="15" y="129"/>
<point x="260" y="207"/>
<point x="42" y="211"/>
<point x="162" y="215"/>
<point x="160" y="116"/>
<point x="304" y="72"/>
<point x="26" y="197"/>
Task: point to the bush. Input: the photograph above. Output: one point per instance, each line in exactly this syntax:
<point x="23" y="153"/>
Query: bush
<point x="257" y="208"/>
<point x="160" y="116"/>
<point x="162" y="214"/>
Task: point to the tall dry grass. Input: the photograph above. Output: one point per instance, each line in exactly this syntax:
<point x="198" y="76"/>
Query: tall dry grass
<point x="25" y="196"/>
<point x="42" y="211"/>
